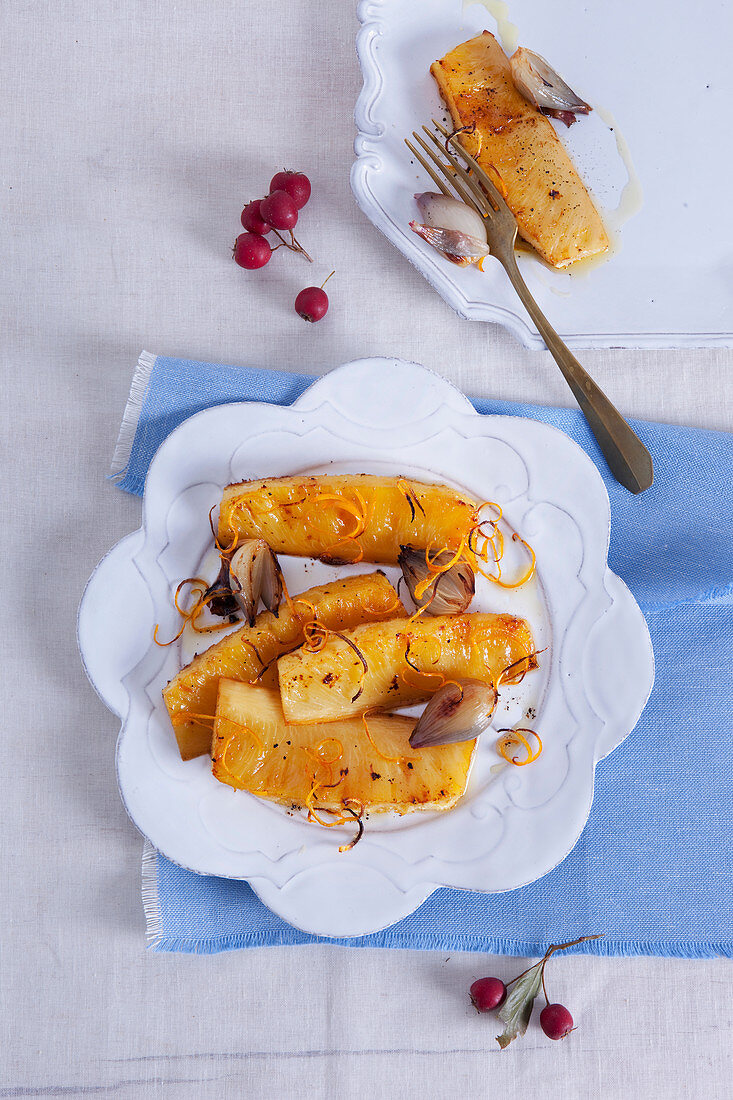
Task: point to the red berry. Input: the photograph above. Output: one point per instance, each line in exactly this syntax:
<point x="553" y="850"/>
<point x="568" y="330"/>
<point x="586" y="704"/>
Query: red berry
<point x="252" y="220"/>
<point x="279" y="210"/>
<point x="251" y="251"/>
<point x="487" y="994"/>
<point x="297" y="185"/>
<point x="556" y="1021"/>
<point x="312" y="303"/>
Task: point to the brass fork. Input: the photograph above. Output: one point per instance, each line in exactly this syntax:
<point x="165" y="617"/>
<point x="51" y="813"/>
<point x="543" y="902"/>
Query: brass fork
<point x="627" y="457"/>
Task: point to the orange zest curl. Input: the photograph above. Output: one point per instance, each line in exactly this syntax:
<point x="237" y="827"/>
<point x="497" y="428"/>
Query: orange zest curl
<point x="340" y="817"/>
<point x="420" y="611"/>
<point x="317" y="753"/>
<point x="513" y="739"/>
<point x="310" y="804"/>
<point x="411" y="497"/>
<point x="375" y="746"/>
<point x="238" y="726"/>
<point x="307" y="604"/>
<point x="191" y="581"/>
<point x="360" y="824"/>
<point x="517" y="670"/>
<point x="299" y="615"/>
<point x="223" y="551"/>
<point x="226" y="551"/>
<point x="358" y="511"/>
<point x="530" y="569"/>
<point x="193" y="614"/>
<point x="435" y="570"/>
<point x="173" y="639"/>
<point x="315" y="636"/>
<point x="423" y="687"/>
<point x="476" y="555"/>
<point x="420" y="672"/>
<point x="386" y="611"/>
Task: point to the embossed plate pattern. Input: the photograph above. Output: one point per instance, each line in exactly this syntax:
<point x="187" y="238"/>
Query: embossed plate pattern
<point x="515" y="824"/>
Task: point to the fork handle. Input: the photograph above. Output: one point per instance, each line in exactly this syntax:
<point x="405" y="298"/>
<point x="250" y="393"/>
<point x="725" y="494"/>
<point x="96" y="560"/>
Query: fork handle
<point x="628" y="459"/>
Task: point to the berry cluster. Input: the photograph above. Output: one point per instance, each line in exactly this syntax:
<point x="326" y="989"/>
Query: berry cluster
<point x="278" y="213"/>
<point x="515" y="1008"/>
<point x="490" y="993"/>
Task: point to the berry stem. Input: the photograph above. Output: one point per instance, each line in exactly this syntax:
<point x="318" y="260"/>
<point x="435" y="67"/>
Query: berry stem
<point x="299" y="247"/>
<point x="562" y="946"/>
<point x="550" y="951"/>
<point x="326" y="279"/>
<point x="282" y="240"/>
<point x="292" y="244"/>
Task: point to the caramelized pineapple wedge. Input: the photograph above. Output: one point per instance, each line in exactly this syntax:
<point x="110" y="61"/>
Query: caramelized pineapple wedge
<point x="513" y="139"/>
<point x="341" y="518"/>
<point x="255" y="750"/>
<point x="191" y="695"/>
<point x="379" y="667"/>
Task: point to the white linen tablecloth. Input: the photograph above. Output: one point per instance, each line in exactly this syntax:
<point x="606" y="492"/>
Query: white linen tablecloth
<point x="133" y="133"/>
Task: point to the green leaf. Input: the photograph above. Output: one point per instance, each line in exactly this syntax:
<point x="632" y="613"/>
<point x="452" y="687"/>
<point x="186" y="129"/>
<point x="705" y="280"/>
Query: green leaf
<point x="517" y="1008"/>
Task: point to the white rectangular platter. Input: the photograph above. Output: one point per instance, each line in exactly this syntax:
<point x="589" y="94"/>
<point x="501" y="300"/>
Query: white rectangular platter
<point x="655" y="153"/>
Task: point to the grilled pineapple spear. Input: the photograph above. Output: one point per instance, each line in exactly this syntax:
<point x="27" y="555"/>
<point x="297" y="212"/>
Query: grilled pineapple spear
<point x="512" y="139"/>
<point x="191" y="695"/>
<point x="345" y="518"/>
<point x="391" y="664"/>
<point x="329" y="766"/>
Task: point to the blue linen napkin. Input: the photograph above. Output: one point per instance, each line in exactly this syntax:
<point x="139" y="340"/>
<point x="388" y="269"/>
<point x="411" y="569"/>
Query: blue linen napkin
<point x="652" y="869"/>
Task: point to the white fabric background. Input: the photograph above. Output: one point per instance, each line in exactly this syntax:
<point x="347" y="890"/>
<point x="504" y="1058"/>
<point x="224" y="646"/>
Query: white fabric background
<point x="133" y="131"/>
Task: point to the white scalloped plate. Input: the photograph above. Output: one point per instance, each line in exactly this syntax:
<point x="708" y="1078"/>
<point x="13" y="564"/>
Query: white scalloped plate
<point x="514" y="825"/>
<point x="668" y="281"/>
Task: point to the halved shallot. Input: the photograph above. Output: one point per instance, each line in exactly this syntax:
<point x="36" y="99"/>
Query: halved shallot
<point x="458" y="711"/>
<point x="538" y="82"/>
<point x="452" y="227"/>
<point x="254" y="575"/>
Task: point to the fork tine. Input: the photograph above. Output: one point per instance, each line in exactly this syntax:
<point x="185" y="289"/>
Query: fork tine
<point x="487" y="201"/>
<point x="455" y="184"/>
<point x="436" y="179"/>
<point x="481" y="175"/>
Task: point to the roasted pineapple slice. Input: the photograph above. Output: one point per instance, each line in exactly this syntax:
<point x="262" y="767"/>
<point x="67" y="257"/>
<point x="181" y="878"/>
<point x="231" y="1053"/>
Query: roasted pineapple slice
<point x="386" y="663"/>
<point x="191" y="695"/>
<point x="255" y="750"/>
<point x="513" y="139"/>
<point x="350" y="517"/>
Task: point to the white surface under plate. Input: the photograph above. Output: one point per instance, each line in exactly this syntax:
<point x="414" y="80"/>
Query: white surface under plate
<point x="669" y="279"/>
<point x="514" y="824"/>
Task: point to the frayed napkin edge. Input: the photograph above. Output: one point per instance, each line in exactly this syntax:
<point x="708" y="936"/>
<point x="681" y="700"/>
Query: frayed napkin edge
<point x="159" y="940"/>
<point x="131" y="415"/>
<point x="151" y="898"/>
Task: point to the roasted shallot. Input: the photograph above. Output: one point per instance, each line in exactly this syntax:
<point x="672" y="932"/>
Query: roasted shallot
<point x="254" y="575"/>
<point x="448" y="593"/>
<point x="540" y="85"/>
<point x="452" y="227"/>
<point x="460" y="710"/>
